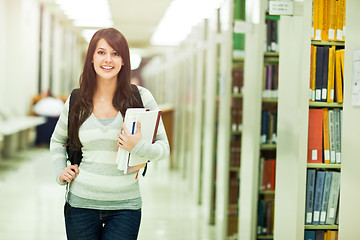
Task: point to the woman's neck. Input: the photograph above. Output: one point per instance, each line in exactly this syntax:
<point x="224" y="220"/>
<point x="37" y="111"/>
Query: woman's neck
<point x="105" y="89"/>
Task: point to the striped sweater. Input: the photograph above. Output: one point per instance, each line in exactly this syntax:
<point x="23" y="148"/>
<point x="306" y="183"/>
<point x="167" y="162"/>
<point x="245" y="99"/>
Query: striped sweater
<point x="99" y="184"/>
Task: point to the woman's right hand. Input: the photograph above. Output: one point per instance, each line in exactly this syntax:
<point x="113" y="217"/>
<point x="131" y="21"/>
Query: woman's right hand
<point x="69" y="173"/>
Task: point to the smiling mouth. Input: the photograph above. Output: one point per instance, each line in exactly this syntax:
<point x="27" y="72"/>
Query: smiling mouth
<point x="107" y="68"/>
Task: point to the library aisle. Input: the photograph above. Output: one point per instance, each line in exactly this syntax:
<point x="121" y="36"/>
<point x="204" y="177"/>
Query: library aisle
<point x="32" y="202"/>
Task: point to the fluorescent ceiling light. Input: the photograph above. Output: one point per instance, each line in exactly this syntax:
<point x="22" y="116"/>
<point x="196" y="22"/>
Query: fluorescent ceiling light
<point x="180" y="17"/>
<point x="87" y="13"/>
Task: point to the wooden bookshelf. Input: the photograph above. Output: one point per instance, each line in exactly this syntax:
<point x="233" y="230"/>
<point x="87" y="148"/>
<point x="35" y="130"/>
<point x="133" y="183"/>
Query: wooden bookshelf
<point x="321" y="227"/>
<point x="324" y="166"/>
<point x="325" y="105"/>
<point x="327" y="43"/>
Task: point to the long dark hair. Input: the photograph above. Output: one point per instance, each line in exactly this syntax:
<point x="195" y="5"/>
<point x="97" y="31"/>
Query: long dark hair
<point x="124" y="95"/>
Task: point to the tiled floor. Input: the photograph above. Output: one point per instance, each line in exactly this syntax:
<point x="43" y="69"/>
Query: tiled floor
<point x="31" y="202"/>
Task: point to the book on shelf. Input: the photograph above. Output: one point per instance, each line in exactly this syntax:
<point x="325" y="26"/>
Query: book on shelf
<point x="235" y="150"/>
<point x="324" y="78"/>
<point x="333" y="198"/>
<point x="149" y="120"/>
<point x="265" y="217"/>
<point x="325" y="197"/>
<point x="331" y="75"/>
<point x="310" y="235"/>
<point x="319" y="72"/>
<point x="315" y="144"/>
<point x="322" y="197"/>
<point x="326" y="74"/>
<point x="319" y="189"/>
<point x="326" y="141"/>
<point x="312" y="73"/>
<point x="328" y="23"/>
<point x="339" y="77"/>
<point x="237" y="79"/>
<point x="321" y="235"/>
<point x="233" y="188"/>
<point x="337" y="129"/>
<point x="268" y="175"/>
<point x="271" y="44"/>
<point x="268" y="126"/>
<point x="310" y="187"/>
<point x="332" y="135"/>
<point x="236" y="114"/>
<point x="270" y="81"/>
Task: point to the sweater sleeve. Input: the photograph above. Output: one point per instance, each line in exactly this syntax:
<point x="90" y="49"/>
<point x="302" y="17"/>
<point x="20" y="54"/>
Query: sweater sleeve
<point x="57" y="141"/>
<point x="160" y="149"/>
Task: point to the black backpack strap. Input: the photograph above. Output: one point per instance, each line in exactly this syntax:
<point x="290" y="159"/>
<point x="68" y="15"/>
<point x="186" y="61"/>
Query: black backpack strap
<point x="74" y="156"/>
<point x="137" y="95"/>
<point x="138" y="98"/>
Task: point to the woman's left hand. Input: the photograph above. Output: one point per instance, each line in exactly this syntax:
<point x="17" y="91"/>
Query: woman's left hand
<point x="127" y="140"/>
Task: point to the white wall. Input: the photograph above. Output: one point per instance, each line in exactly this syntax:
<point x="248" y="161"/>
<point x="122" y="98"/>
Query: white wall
<point x="19" y="47"/>
<point x="19" y="54"/>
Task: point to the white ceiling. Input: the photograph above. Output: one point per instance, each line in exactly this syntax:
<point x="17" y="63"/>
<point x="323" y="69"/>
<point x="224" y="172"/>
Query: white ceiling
<point x="137" y="19"/>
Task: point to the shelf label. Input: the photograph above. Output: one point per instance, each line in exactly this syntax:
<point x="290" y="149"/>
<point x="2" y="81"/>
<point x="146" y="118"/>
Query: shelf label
<point x="242" y="27"/>
<point x="281" y="8"/>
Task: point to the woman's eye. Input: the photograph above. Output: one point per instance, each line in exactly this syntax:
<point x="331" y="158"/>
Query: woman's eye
<point x="101" y="52"/>
<point x="116" y="54"/>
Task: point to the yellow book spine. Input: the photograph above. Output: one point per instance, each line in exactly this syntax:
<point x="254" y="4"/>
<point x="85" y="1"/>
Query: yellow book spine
<point x="331" y="75"/>
<point x="339" y="19"/>
<point x="342" y="62"/>
<point x="344" y="19"/>
<point x="311" y="70"/>
<point x="325" y="20"/>
<point x="338" y="88"/>
<point x="317" y="19"/>
<point x="313" y="73"/>
<point x="326" y="136"/>
<point x="331" y="19"/>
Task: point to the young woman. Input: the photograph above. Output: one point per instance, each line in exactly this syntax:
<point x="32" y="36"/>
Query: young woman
<point x="102" y="202"/>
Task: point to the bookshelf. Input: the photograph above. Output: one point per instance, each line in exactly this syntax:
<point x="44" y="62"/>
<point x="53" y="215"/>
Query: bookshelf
<point x="266" y="193"/>
<point x="293" y="110"/>
<point x="349" y="213"/>
<point x="210" y="127"/>
<point x="252" y="107"/>
<point x="230" y="118"/>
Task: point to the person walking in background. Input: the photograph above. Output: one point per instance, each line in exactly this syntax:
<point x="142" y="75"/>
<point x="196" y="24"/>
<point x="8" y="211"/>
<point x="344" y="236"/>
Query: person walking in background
<point x="101" y="201"/>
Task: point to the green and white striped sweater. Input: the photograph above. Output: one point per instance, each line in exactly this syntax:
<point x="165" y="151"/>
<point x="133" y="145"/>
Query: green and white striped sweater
<point x="99" y="184"/>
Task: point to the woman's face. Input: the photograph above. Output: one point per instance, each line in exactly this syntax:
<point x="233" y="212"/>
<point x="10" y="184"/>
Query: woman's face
<point x="107" y="62"/>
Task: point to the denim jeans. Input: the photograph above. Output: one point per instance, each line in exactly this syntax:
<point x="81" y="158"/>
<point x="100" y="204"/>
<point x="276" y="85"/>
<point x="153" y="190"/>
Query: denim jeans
<point x="90" y="224"/>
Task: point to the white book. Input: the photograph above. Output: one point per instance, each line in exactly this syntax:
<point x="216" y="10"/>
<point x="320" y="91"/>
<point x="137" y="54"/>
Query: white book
<point x="149" y="120"/>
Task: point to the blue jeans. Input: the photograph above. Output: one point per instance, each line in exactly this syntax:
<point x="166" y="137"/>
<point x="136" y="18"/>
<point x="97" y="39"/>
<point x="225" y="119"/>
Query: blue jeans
<point x="91" y="224"/>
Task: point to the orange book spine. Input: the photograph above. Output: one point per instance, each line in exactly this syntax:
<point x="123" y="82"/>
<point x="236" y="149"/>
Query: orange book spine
<point x="315" y="143"/>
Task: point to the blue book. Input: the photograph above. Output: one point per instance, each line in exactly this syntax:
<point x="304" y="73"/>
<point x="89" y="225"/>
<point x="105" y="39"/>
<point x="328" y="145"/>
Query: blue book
<point x="310" y="235"/>
<point x="319" y="235"/>
<point x="319" y="188"/>
<point x="264" y="126"/>
<point x="310" y="187"/>
<point x="325" y="199"/>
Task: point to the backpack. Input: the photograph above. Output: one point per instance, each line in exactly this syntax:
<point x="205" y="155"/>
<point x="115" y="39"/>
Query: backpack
<point x="75" y="156"/>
